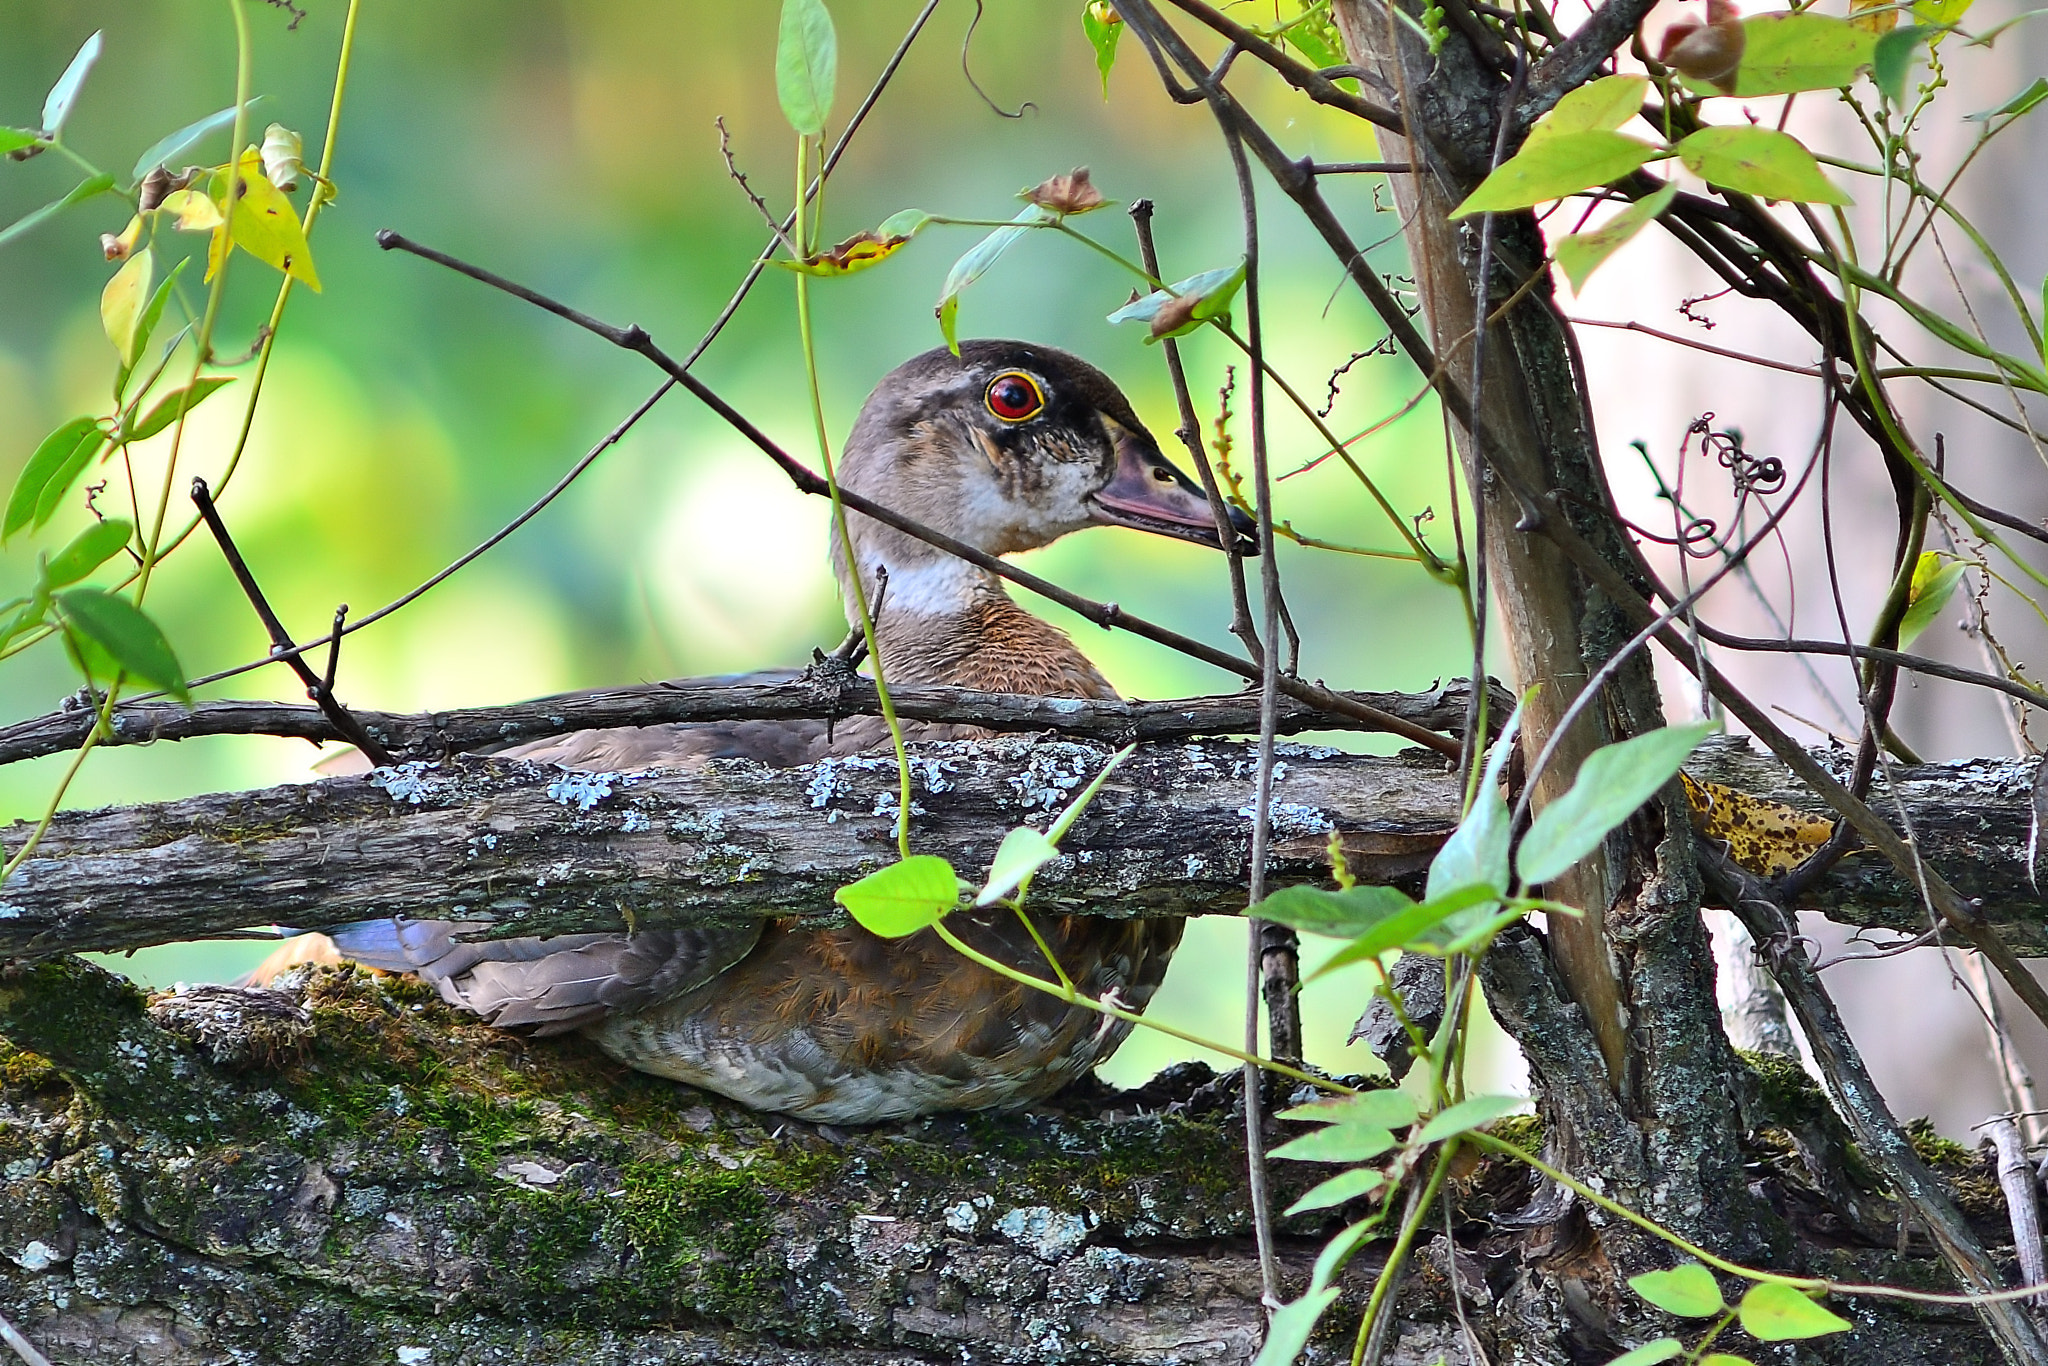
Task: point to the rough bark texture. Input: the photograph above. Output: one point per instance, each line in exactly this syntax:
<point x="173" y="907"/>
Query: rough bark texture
<point x="346" y="1172"/>
<point x="542" y="850"/>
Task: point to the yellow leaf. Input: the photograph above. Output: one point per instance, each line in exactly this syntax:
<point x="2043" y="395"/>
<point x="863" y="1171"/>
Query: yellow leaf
<point x="261" y="222"/>
<point x="121" y="302"/>
<point x="1884" y="21"/>
<point x="196" y="211"/>
<point x="1768" y="838"/>
<point x="857" y="252"/>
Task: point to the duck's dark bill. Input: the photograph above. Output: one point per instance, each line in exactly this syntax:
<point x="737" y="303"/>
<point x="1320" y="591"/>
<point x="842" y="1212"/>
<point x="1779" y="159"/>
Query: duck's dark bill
<point x="1148" y="493"/>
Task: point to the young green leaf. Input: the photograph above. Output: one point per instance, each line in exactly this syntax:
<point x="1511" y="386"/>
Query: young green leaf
<point x="1724" y="1359"/>
<point x="127" y="635"/>
<point x="123" y="302"/>
<point x="1476" y="854"/>
<point x="1613" y="782"/>
<point x="1943" y="12"/>
<point x="1689" y="1291"/>
<point x="975" y="264"/>
<point x="1340" y="915"/>
<point x="1935" y="577"/>
<point x="1603" y="106"/>
<point x="1466" y="1116"/>
<point x="171" y="146"/>
<point x="1065" y="820"/>
<point x="1580" y="254"/>
<point x="2019" y="104"/>
<point x="57" y="107"/>
<point x="1337" y="1143"/>
<point x="1189" y="304"/>
<point x="1650" y="1353"/>
<point x="83" y="190"/>
<point x="14" y="139"/>
<point x="1288" y="1333"/>
<point x="1787" y="52"/>
<point x="1891" y="61"/>
<point x="1103" y="26"/>
<point x="1314" y="36"/>
<point x="1340" y="1188"/>
<point x="20" y="615"/>
<point x="904" y="897"/>
<point x="90" y="549"/>
<point x="806" y="65"/>
<point x="1759" y="161"/>
<point x="145" y="326"/>
<point x="174" y="405"/>
<point x="1553" y="167"/>
<point x="1420" y="927"/>
<point x="56" y="456"/>
<point x="1024" y="851"/>
<point x="1772" y="1312"/>
<point x="1389" y="1109"/>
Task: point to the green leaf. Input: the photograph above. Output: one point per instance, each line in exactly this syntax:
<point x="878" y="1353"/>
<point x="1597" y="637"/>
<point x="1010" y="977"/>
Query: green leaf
<point x="1172" y="315"/>
<point x="1759" y="161"/>
<point x="1288" y="1333"/>
<point x="806" y="65"/>
<point x="904" y="223"/>
<point x="1340" y="915"/>
<point x="1024" y="851"/>
<point x="1466" y="1116"/>
<point x="904" y="897"/>
<point x="145" y="326"/>
<point x="975" y="264"/>
<point x="1103" y="27"/>
<point x="1941" y="11"/>
<point x="14" y="139"/>
<point x="57" y="107"/>
<point x="176" y="404"/>
<point x="123" y="302"/>
<point x="57" y="455"/>
<point x="1386" y="1108"/>
<point x="1787" y="52"/>
<point x="1065" y="821"/>
<point x="1418" y="927"/>
<point x="83" y="190"/>
<point x="1476" y="854"/>
<point x="128" y="636"/>
<point x="19" y="616"/>
<point x="1597" y="106"/>
<point x="1724" y="1359"/>
<point x="1337" y="1143"/>
<point x="1650" y="1353"/>
<point x="1935" y="577"/>
<point x="1314" y="36"/>
<point x="1340" y="1188"/>
<point x="1553" y="167"/>
<point x="1613" y="782"/>
<point x="173" y="145"/>
<point x="1891" y="61"/>
<point x="1772" y="1312"/>
<point x="1582" y="253"/>
<point x="1689" y="1291"/>
<point x="2019" y="104"/>
<point x="92" y="548"/>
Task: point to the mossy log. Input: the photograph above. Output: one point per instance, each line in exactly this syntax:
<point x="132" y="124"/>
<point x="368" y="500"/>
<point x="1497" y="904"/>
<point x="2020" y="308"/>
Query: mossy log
<point x="345" y="1171"/>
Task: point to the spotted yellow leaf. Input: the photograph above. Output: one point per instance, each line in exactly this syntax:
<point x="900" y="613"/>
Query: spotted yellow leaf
<point x="262" y="222"/>
<point x="1768" y="838"/>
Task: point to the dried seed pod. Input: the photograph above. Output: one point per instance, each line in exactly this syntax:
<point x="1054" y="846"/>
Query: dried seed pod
<point x="154" y="187"/>
<point x="1710" y="51"/>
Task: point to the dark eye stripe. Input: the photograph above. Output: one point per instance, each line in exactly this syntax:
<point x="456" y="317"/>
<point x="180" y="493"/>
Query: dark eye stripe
<point x="1014" y="397"/>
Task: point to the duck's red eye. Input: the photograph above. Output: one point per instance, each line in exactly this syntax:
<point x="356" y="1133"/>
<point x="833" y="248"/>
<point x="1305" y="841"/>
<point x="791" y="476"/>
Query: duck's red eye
<point x="1015" y="397"/>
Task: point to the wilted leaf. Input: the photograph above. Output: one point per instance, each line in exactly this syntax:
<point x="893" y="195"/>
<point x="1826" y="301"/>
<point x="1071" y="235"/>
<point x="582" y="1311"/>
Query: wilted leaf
<point x="904" y="897"/>
<point x="1597" y="106"/>
<point x="857" y="252"/>
<point x="173" y="145"/>
<point x="1689" y="1291"/>
<point x="1759" y="161"/>
<point x="1556" y="166"/>
<point x="1023" y="852"/>
<point x="1337" y="1143"/>
<point x="806" y="65"/>
<point x="975" y="264"/>
<point x="1580" y="254"/>
<point x="262" y="222"/>
<point x="1466" y="1116"/>
<point x="1340" y="914"/>
<point x="90" y="549"/>
<point x="1340" y="1188"/>
<point x="1103" y="26"/>
<point x="1062" y="195"/>
<point x="1768" y="838"/>
<point x="175" y="405"/>
<point x="47" y="476"/>
<point x="123" y="302"/>
<point x="120" y="246"/>
<point x="128" y="636"/>
<point x="84" y="190"/>
<point x="283" y="156"/>
<point x="1935" y="578"/>
<point x="1784" y="53"/>
<point x="1613" y="782"/>
<point x="57" y="107"/>
<point x="1771" y="1312"/>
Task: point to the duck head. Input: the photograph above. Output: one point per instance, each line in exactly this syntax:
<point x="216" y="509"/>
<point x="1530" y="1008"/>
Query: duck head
<point x="1007" y="446"/>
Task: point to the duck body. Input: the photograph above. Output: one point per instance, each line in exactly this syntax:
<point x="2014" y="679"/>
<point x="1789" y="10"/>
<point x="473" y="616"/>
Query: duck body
<point x="1006" y="446"/>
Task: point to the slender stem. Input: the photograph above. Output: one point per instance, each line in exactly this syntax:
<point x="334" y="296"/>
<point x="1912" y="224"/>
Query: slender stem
<point x="1411" y="1224"/>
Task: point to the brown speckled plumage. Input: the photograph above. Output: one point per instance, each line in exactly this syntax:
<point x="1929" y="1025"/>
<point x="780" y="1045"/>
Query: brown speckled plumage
<point x="838" y="1025"/>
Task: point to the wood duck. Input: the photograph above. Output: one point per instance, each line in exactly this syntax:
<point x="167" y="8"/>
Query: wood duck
<point x="1007" y="446"/>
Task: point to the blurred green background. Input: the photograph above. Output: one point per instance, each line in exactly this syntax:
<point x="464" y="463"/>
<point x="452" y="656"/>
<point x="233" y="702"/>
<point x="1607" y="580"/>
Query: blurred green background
<point x="409" y="412"/>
